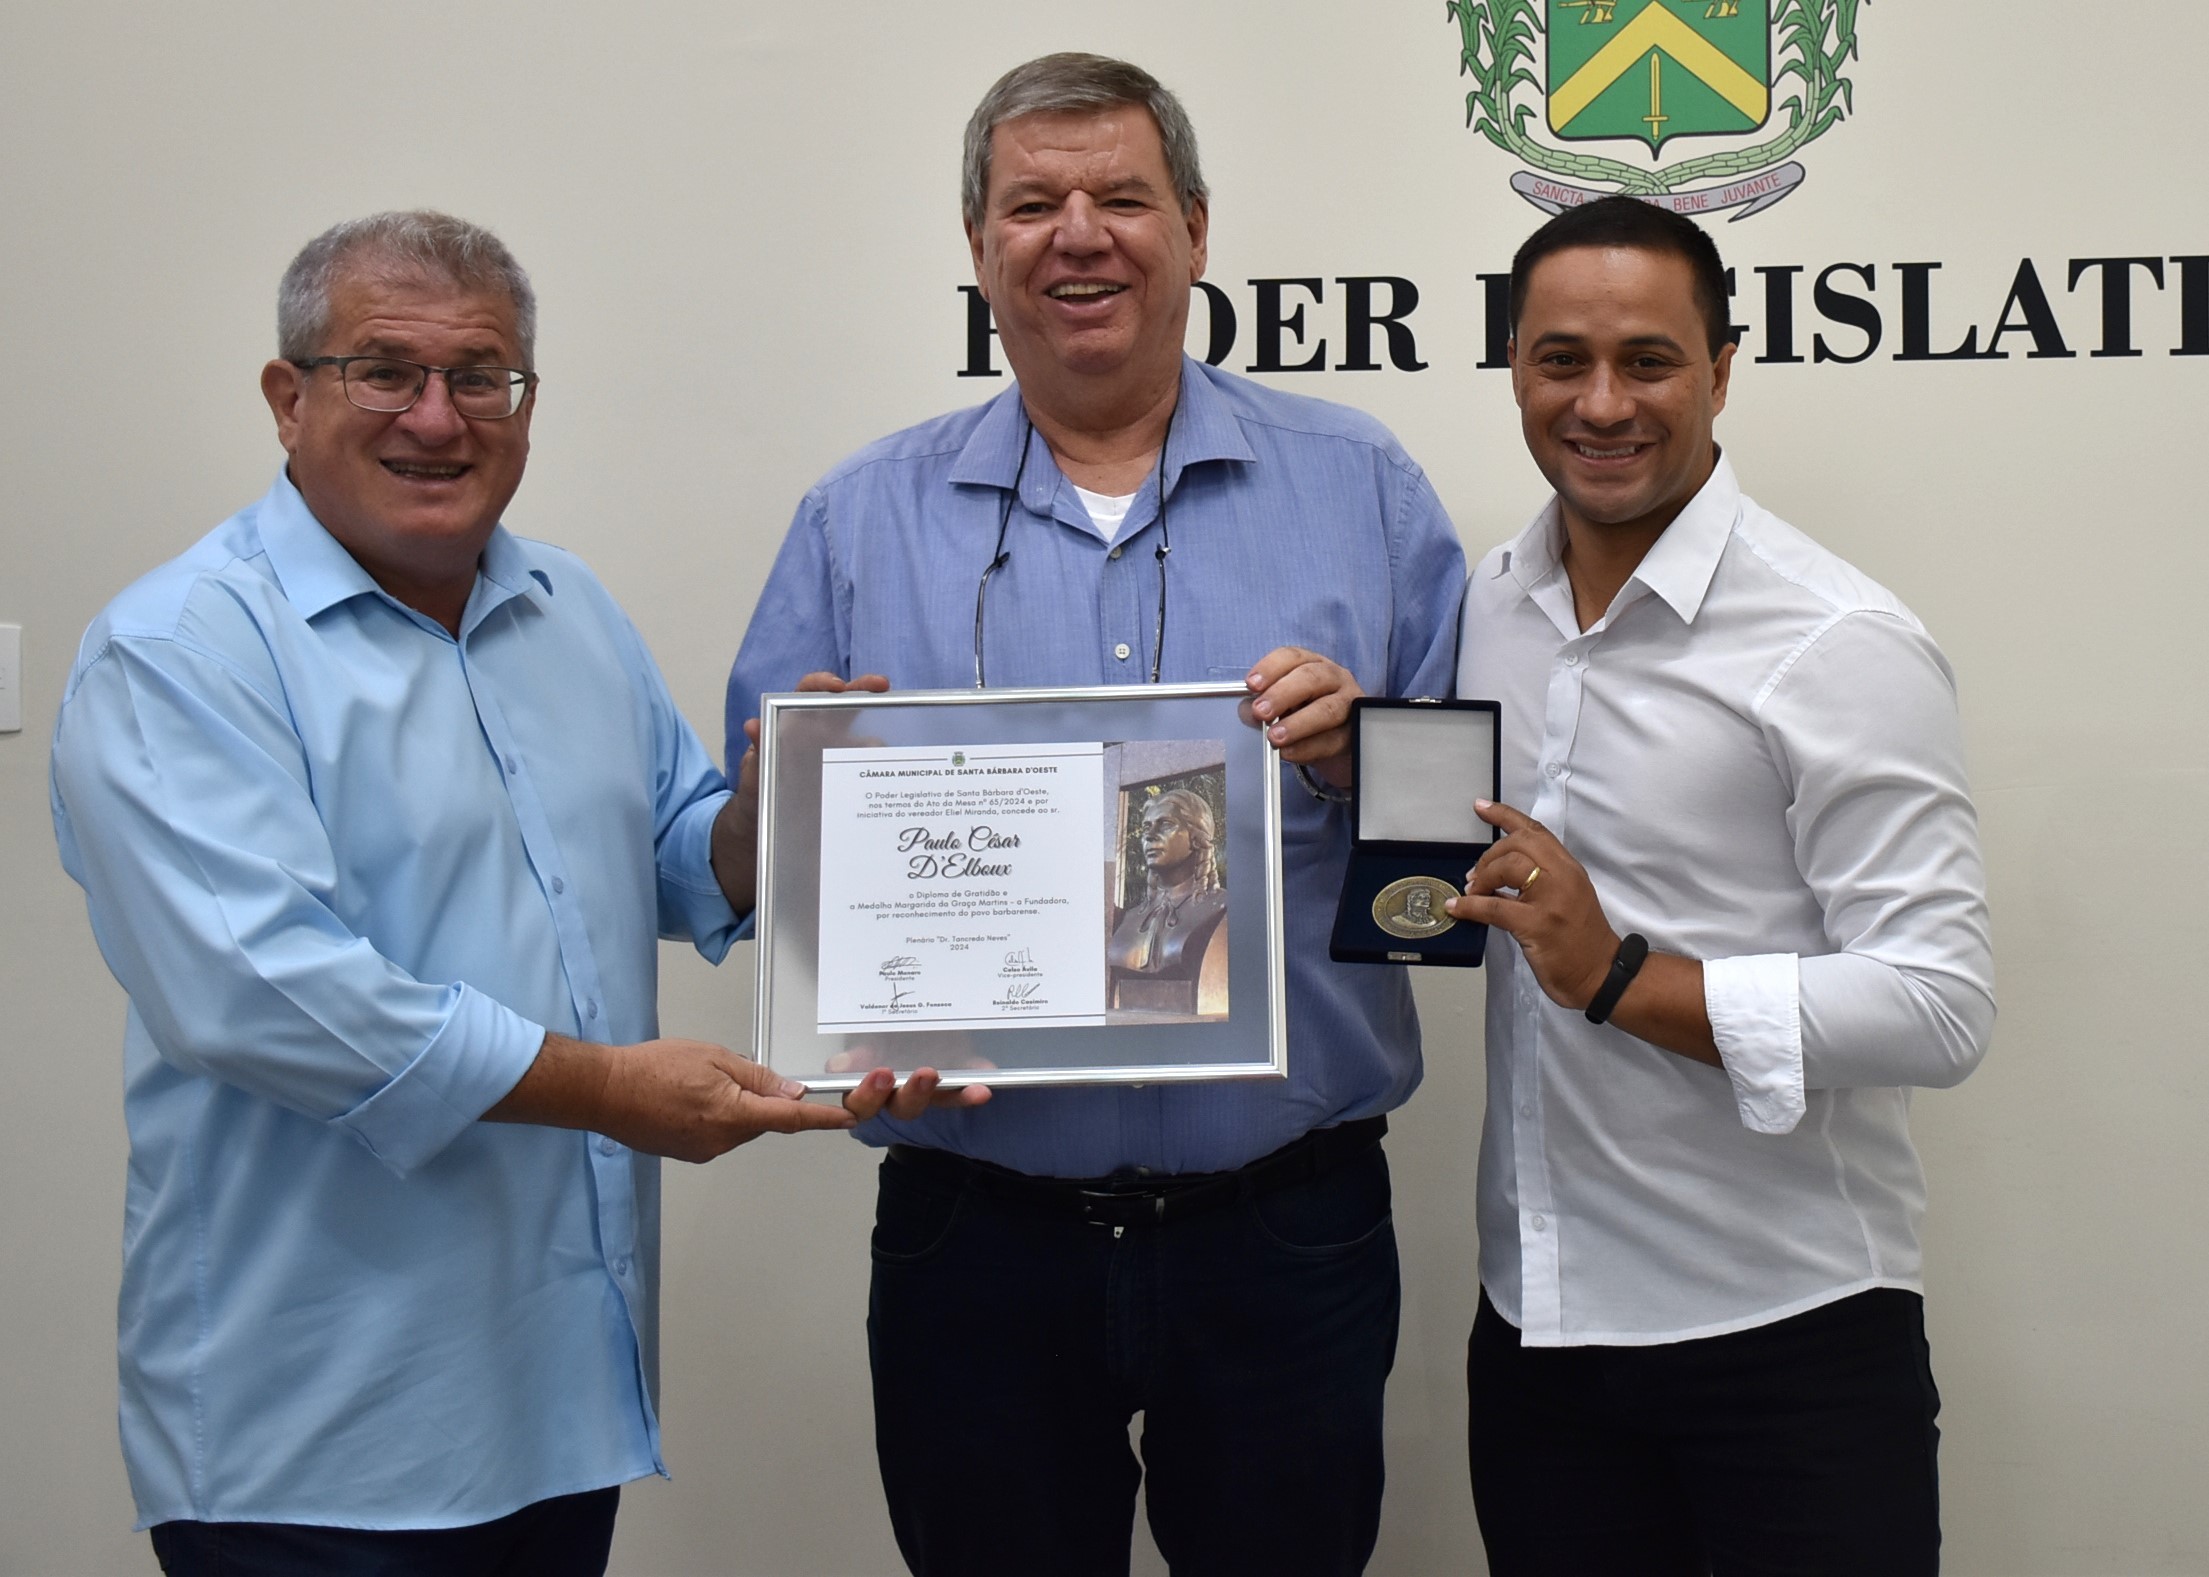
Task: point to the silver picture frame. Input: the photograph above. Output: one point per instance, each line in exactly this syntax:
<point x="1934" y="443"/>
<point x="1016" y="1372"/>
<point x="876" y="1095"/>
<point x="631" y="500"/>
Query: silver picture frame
<point x="1188" y="943"/>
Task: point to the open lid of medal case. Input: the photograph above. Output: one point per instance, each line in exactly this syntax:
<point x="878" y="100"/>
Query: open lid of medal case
<point x="1419" y="766"/>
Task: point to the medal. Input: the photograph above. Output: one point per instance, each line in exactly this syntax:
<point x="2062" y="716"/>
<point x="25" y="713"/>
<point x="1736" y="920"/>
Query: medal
<point x="1412" y="907"/>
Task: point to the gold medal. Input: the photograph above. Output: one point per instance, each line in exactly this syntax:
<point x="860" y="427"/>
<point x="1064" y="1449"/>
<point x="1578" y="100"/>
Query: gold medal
<point x="1413" y="907"/>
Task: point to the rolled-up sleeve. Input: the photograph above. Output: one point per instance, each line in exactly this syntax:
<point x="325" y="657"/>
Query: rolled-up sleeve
<point x="184" y="807"/>
<point x="1754" y="1005"/>
<point x="1863" y="723"/>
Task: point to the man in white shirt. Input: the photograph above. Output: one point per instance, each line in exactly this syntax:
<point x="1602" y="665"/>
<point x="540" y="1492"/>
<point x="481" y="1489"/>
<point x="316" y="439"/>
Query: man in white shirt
<point x="1743" y="913"/>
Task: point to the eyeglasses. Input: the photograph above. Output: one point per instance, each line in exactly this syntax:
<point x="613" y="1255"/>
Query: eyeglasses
<point x="1004" y="554"/>
<point x="387" y="385"/>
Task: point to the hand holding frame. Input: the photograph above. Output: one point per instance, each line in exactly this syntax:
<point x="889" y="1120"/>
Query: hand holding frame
<point x="1302" y="700"/>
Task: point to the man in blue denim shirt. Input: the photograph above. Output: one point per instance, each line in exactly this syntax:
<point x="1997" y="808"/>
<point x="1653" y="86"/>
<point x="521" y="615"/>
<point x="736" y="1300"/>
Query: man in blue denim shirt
<point x="1217" y="1257"/>
<point x="379" y="812"/>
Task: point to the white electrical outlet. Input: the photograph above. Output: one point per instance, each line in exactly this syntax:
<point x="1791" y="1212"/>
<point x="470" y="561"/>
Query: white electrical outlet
<point x="11" y="678"/>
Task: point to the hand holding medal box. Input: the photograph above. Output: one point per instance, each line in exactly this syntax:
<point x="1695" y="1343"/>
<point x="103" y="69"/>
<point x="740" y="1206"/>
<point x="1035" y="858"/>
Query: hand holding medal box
<point x="1420" y="764"/>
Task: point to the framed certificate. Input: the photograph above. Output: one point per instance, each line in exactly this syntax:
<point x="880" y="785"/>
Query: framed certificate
<point x="1019" y="886"/>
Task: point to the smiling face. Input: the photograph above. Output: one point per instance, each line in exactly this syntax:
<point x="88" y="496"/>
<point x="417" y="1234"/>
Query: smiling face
<point x="1616" y="385"/>
<point x="413" y="496"/>
<point x="1085" y="253"/>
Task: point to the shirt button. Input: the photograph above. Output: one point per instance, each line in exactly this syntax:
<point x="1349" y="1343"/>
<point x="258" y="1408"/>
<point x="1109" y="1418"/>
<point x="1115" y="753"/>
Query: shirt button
<point x="621" y="1266"/>
<point x="1572" y="659"/>
<point x="1541" y="1224"/>
<point x="1526" y="1109"/>
<point x="1553" y="769"/>
<point x="1115" y="553"/>
<point x="1121" y="651"/>
<point x="608" y="1146"/>
<point x="511" y="769"/>
<point x="590" y="1008"/>
<point x="558" y="887"/>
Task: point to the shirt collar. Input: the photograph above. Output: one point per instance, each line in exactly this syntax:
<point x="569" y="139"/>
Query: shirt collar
<point x="508" y="569"/>
<point x="316" y="573"/>
<point x="1678" y="567"/>
<point x="1205" y="427"/>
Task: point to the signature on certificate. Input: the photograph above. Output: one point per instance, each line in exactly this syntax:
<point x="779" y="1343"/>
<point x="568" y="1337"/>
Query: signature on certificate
<point x="903" y="967"/>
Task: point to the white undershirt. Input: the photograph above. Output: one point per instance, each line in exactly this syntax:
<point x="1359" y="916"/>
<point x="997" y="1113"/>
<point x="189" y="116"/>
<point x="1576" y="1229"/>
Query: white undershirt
<point x="1106" y="512"/>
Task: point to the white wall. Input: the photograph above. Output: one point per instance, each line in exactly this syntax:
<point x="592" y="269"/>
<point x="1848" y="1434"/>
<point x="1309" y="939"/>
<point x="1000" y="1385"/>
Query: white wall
<point x="742" y="224"/>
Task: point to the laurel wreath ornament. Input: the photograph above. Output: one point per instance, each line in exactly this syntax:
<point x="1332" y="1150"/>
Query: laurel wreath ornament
<point x="1817" y="39"/>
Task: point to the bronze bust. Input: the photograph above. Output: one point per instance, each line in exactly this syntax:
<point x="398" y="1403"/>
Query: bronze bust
<point x="1160" y="947"/>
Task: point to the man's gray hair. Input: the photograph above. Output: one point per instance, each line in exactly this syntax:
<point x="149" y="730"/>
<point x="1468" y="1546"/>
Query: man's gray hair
<point x="1079" y="84"/>
<point x="418" y="243"/>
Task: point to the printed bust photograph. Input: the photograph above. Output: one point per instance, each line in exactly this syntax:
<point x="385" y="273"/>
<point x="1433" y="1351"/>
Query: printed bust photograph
<point x="1168" y="950"/>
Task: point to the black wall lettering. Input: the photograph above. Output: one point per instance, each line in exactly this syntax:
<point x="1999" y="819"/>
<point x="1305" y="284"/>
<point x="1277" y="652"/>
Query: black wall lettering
<point x="1496" y="296"/>
<point x="2193" y="306"/>
<point x="2038" y="319"/>
<point x="1291" y="324"/>
<point x="1220" y="318"/>
<point x="2116" y="297"/>
<point x="1917" y="320"/>
<point x="1359" y="320"/>
<point x="1272" y="325"/>
<point x="980" y="330"/>
<point x="1855" y="311"/>
<point x="1779" y="313"/>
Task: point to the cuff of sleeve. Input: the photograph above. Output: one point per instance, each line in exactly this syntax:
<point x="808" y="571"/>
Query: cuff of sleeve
<point x="1755" y="1008"/>
<point x="692" y="903"/>
<point x="477" y="1056"/>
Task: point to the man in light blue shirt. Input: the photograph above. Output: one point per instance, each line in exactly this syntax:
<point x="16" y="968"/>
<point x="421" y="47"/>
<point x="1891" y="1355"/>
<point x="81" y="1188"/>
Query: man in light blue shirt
<point x="1217" y="1256"/>
<point x="379" y="812"/>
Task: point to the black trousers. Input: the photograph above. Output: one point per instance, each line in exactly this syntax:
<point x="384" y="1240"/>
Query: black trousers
<point x="1012" y="1346"/>
<point x="1803" y="1447"/>
<point x="567" y="1536"/>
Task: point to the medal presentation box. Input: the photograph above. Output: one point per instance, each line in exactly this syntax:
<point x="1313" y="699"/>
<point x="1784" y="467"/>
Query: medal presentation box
<point x="1420" y="764"/>
<point x="1073" y="886"/>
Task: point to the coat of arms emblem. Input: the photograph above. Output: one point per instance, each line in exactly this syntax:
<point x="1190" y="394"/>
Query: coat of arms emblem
<point x="1660" y="73"/>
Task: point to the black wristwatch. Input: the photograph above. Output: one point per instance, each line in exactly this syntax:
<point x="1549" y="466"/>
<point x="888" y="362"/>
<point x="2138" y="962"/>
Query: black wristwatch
<point x="1625" y="965"/>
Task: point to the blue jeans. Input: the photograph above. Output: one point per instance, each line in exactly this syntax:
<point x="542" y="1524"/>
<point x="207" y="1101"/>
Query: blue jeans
<point x="1012" y="1345"/>
<point x="567" y="1536"/>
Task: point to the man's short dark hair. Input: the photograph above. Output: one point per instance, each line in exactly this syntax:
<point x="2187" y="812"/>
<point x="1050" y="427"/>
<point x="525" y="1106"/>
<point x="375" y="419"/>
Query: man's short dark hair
<point x="1630" y="222"/>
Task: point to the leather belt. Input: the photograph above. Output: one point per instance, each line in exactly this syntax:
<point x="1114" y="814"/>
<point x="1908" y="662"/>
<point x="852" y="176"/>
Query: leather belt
<point x="1133" y="1199"/>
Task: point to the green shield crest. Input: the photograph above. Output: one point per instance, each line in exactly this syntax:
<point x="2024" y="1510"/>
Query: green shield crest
<point x="1658" y="69"/>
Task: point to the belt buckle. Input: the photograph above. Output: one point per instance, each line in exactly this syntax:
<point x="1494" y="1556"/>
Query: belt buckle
<point x="1092" y="1198"/>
